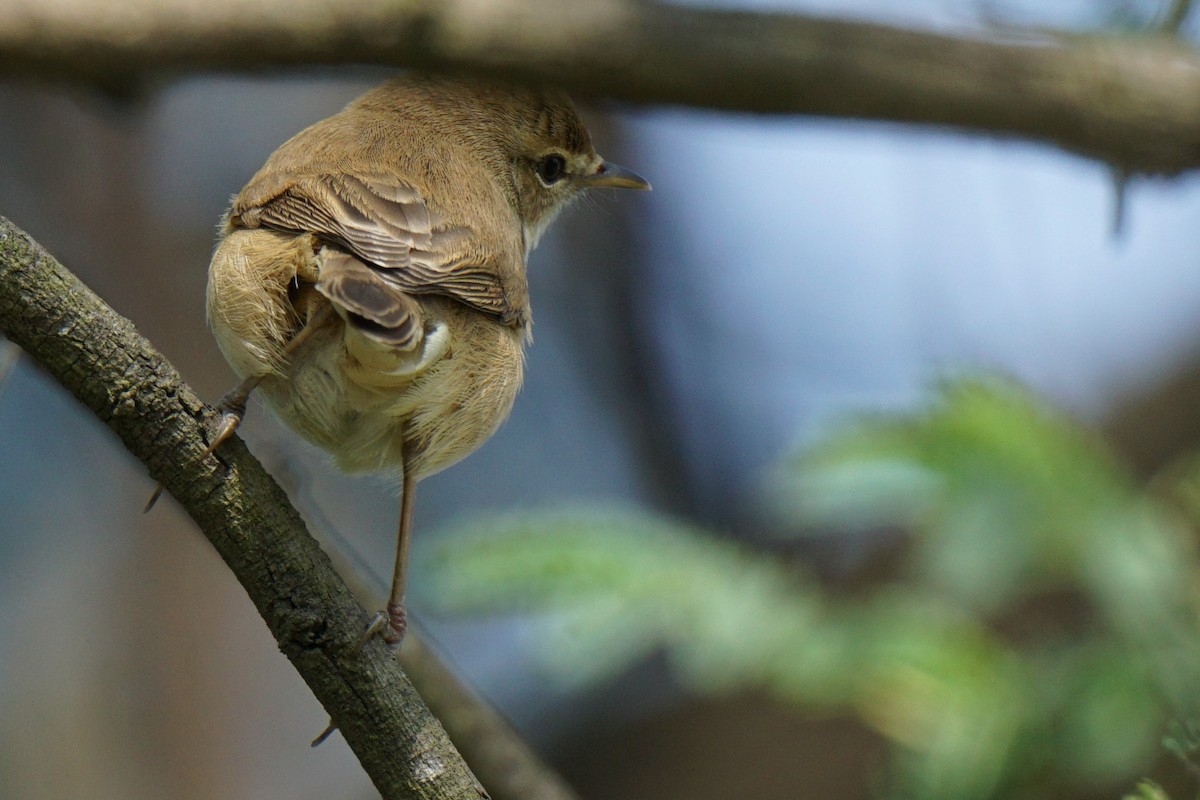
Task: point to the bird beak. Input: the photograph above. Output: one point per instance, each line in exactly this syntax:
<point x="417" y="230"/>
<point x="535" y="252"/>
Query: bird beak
<point x="614" y="176"/>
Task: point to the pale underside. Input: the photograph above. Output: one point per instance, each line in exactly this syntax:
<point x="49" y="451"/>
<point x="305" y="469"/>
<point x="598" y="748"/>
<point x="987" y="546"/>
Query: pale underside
<point x="361" y="398"/>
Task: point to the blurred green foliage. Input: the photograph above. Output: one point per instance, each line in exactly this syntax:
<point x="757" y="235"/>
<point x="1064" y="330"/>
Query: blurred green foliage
<point x="1041" y="628"/>
<point x="1148" y="790"/>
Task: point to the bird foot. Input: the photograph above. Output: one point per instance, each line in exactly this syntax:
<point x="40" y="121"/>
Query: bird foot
<point x="323" y="735"/>
<point x="233" y="408"/>
<point x="392" y="626"/>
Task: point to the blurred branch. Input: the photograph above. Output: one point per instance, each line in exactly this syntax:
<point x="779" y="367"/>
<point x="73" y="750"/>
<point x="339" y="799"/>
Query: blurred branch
<point x="100" y="358"/>
<point x="488" y="743"/>
<point x="1171" y="403"/>
<point x="1133" y="102"/>
<point x="507" y="764"/>
<point x="1177" y="14"/>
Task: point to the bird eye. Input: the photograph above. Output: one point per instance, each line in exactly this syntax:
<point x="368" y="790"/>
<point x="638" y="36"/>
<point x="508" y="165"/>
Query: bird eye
<point x="551" y="169"/>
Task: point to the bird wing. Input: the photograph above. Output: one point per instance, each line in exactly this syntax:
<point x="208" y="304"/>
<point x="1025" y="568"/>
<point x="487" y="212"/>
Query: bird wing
<point x="385" y="222"/>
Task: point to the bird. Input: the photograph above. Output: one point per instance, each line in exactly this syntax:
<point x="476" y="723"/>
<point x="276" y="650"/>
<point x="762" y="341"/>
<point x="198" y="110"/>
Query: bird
<point x="369" y="282"/>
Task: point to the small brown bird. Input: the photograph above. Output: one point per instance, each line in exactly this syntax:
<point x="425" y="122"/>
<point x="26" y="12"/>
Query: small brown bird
<point x="370" y="279"/>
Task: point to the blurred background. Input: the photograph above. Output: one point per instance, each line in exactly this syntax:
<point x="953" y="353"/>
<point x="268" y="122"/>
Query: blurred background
<point x="692" y="347"/>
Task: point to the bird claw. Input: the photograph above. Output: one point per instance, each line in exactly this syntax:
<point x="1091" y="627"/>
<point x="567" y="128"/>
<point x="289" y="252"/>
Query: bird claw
<point x="231" y="418"/>
<point x="323" y="735"/>
<point x="392" y="625"/>
<point x="233" y="408"/>
<point x="157" y="493"/>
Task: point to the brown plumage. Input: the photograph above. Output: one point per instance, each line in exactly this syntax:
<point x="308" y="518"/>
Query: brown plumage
<point x="409" y="215"/>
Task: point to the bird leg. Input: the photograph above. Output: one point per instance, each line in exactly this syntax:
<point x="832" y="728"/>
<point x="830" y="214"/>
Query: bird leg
<point x="393" y="623"/>
<point x="233" y="408"/>
<point x="233" y="404"/>
<point x="396" y="612"/>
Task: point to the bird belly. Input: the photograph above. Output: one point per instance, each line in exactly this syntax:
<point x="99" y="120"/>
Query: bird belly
<point x="371" y="419"/>
<point x="368" y="405"/>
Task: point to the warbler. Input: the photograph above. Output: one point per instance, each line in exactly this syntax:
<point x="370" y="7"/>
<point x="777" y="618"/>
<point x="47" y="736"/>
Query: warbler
<point x="370" y="279"/>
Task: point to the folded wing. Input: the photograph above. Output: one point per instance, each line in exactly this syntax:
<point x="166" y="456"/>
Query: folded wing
<point x="385" y="223"/>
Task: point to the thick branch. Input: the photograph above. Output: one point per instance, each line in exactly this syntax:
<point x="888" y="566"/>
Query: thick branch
<point x="99" y="357"/>
<point x="1132" y="102"/>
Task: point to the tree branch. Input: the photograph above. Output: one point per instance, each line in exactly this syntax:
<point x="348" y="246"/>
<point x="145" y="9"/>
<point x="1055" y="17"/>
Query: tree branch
<point x="1133" y="102"/>
<point x="505" y="762"/>
<point x="1176" y="14"/>
<point x="100" y="358"/>
<point x="501" y="757"/>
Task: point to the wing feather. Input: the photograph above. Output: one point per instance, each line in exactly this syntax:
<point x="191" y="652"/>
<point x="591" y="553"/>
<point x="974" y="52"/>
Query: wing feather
<point x="378" y="309"/>
<point x="385" y="222"/>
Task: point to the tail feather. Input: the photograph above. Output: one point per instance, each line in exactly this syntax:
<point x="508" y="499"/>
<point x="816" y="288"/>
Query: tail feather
<point x="376" y="308"/>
